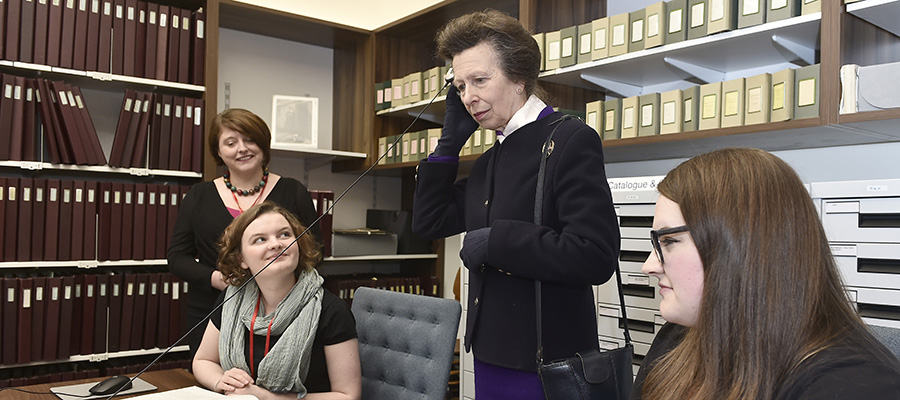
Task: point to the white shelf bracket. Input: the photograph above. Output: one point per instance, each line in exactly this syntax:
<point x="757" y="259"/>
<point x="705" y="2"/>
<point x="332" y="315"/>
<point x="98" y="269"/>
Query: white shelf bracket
<point x="797" y="50"/>
<point x="624" y="89"/>
<point x="702" y="73"/>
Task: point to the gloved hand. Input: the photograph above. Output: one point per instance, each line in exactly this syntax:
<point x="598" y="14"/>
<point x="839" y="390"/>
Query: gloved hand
<point x="458" y="126"/>
<point x="474" y="252"/>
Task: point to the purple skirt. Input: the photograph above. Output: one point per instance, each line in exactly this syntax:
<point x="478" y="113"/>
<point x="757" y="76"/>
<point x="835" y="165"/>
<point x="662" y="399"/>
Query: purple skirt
<point x="498" y="383"/>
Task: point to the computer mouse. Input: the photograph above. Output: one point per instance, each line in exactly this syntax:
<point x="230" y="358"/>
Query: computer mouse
<point x="111" y="385"/>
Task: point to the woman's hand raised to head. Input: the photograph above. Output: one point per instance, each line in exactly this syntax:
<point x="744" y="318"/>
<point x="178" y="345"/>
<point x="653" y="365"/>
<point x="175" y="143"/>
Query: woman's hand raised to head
<point x="458" y="126"/>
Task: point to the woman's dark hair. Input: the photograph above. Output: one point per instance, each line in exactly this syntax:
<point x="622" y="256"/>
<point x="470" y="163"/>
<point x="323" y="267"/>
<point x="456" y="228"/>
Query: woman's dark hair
<point x="245" y="123"/>
<point x="520" y="57"/>
<point x="230" y="243"/>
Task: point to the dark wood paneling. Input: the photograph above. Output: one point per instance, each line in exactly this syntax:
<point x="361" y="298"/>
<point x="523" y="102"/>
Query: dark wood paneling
<point x="555" y="15"/>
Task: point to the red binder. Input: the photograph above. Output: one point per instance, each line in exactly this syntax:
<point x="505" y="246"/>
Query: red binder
<point x="140" y="311"/>
<point x="132" y="133"/>
<point x="92" y="48"/>
<point x="26" y="299"/>
<point x="104" y="221"/>
<point x="165" y="306"/>
<point x="173" y="158"/>
<point x="162" y="42"/>
<point x="155" y="131"/>
<point x="101" y="314"/>
<point x="2" y="218"/>
<point x="90" y="133"/>
<point x="65" y="220"/>
<point x="52" y="327"/>
<point x="127" y="221"/>
<point x="68" y="126"/>
<point x="67" y="305"/>
<point x="29" y="140"/>
<point x="25" y="219"/>
<point x="115" y="226"/>
<point x="6" y="115"/>
<point x="176" y="193"/>
<point x="179" y="302"/>
<point x="26" y="38"/>
<point x="140" y="222"/>
<point x="49" y="121"/>
<point x="151" y="318"/>
<point x="116" y="155"/>
<point x="150" y="228"/>
<point x="162" y="212"/>
<point x="128" y="294"/>
<point x="51" y="228"/>
<point x="128" y="41"/>
<point x="41" y="13"/>
<point x="75" y="326"/>
<point x="198" y="48"/>
<point x="174" y="43"/>
<point x="54" y="32"/>
<point x="38" y="214"/>
<point x="119" y="32"/>
<point x="91" y="199"/>
<point x="184" y="48"/>
<point x="18" y="119"/>
<point x="67" y="35"/>
<point x="78" y="218"/>
<point x="165" y="132"/>
<point x="10" y="234"/>
<point x="13" y="29"/>
<point x="104" y="49"/>
<point x="187" y="136"/>
<point x="88" y="314"/>
<point x="38" y="315"/>
<point x="79" y="53"/>
<point x="10" y="317"/>
<point x="116" y="294"/>
<point x="150" y="40"/>
<point x="140" y="39"/>
<point x="139" y="155"/>
<point x="197" y="148"/>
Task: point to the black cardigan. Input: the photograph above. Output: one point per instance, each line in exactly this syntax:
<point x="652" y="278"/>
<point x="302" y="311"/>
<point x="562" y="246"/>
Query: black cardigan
<point x="576" y="247"/>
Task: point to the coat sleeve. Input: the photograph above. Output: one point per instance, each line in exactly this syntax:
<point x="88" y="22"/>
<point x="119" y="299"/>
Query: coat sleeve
<point x="182" y="255"/>
<point x="585" y="247"/>
<point x="438" y="204"/>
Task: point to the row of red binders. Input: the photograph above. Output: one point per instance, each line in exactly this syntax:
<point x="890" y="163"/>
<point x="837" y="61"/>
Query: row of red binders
<point x="49" y="318"/>
<point x="173" y="124"/>
<point x="69" y="131"/>
<point x="60" y="220"/>
<point x="122" y="37"/>
<point x="63" y="372"/>
<point x="345" y="287"/>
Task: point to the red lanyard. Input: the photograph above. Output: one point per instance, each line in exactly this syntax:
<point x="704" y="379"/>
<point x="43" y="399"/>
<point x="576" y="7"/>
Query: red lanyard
<point x="268" y="337"/>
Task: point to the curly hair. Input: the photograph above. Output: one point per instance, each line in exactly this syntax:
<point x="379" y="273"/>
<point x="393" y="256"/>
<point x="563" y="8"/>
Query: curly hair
<point x="520" y="57"/>
<point x="230" y="258"/>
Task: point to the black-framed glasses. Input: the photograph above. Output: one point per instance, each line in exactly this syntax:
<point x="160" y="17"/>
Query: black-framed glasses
<point x="657" y="246"/>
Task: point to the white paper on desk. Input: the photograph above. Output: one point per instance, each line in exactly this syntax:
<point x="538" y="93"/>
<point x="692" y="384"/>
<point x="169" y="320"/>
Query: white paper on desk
<point x="192" y="393"/>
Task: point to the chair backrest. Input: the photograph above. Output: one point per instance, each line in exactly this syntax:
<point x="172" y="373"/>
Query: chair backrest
<point x="890" y="337"/>
<point x="406" y="343"/>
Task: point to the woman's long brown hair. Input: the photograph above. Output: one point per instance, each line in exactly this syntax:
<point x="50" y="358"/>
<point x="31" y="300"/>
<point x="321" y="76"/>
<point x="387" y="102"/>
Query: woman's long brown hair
<point x="772" y="293"/>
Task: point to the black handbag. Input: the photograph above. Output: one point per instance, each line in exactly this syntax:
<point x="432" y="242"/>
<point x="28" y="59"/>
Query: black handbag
<point x="589" y="375"/>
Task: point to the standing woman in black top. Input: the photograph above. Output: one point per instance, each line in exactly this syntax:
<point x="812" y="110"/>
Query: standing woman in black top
<point x="496" y="63"/>
<point x="746" y="273"/>
<point x="239" y="140"/>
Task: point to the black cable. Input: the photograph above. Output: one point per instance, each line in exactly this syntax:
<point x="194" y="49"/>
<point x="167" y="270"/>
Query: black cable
<point x="448" y="79"/>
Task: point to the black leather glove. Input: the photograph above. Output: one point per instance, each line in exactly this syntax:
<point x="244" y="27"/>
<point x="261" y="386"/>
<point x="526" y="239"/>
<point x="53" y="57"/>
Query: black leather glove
<point x="474" y="252"/>
<point x="458" y="126"/>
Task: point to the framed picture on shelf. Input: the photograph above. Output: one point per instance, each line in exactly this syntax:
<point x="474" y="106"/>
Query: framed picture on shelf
<point x="295" y="122"/>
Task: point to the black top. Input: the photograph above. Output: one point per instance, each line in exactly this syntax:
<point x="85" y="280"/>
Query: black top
<point x="336" y="325"/>
<point x="844" y="371"/>
<point x="202" y="217"/>
<point x="576" y="247"/>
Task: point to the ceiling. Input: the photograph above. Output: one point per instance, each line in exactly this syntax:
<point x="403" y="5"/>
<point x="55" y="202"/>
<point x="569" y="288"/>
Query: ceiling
<point x="364" y="14"/>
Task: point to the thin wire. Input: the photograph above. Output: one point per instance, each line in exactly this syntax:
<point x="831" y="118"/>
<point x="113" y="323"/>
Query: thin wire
<point x="326" y="212"/>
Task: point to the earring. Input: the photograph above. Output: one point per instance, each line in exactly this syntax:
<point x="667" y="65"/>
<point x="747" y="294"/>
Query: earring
<point x="519" y="91"/>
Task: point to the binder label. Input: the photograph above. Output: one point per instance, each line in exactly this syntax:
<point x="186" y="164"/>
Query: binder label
<point x="102" y="289"/>
<point x="54" y="293"/>
<point x="26" y="298"/>
<point x="67" y="195"/>
<point x="185" y="23"/>
<point x="647" y="115"/>
<point x="70" y="4"/>
<point x="778" y="96"/>
<point x="28" y="94"/>
<point x="82" y="5"/>
<point x="174" y="21"/>
<point x="585" y="46"/>
<point x="698" y="15"/>
<point x="754" y="100"/>
<point x="115" y="290"/>
<point x="119" y="11"/>
<point x="600" y="39"/>
<point x="67" y="293"/>
<point x="127" y="197"/>
<point x="668" y="113"/>
<point x="779" y="4"/>
<point x="129" y="291"/>
<point x="117" y="197"/>
<point x="140" y="198"/>
<point x="200" y="28"/>
<point x="652" y="25"/>
<point x="731" y="103"/>
<point x="197" y="116"/>
<point x="90" y="195"/>
<point x="152" y="18"/>
<point x="553" y="50"/>
<point x="62" y="98"/>
<point x="609" y="120"/>
<point x="628" y="118"/>
<point x="806" y="92"/>
<point x="174" y="201"/>
<point x="165" y="288"/>
<point x="106" y="8"/>
<point x="79" y="193"/>
<point x="618" y="35"/>
<point x="71" y="98"/>
<point x="141" y="289"/>
<point x="716" y="10"/>
<point x="89" y="291"/>
<point x="177" y="111"/>
<point x="11" y="193"/>
<point x="77" y="290"/>
<point x="7" y="91"/>
<point x="39" y="195"/>
<point x="152" y="199"/>
<point x="39" y="293"/>
<point x="637" y="30"/>
<point x="18" y="93"/>
<point x="153" y="289"/>
<point x="167" y="110"/>
<point x="130" y="13"/>
<point x="53" y="194"/>
<point x="162" y="20"/>
<point x="26" y="194"/>
<point x="78" y="101"/>
<point x="95" y="6"/>
<point x="750" y="7"/>
<point x="688" y="109"/>
<point x="710" y="102"/>
<point x="175" y="292"/>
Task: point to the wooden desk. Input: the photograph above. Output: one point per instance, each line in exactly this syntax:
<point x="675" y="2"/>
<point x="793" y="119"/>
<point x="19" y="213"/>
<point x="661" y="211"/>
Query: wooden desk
<point x="164" y="380"/>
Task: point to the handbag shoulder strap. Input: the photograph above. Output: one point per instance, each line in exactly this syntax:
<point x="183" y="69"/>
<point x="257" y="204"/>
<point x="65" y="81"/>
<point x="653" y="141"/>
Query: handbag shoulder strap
<point x="538" y="213"/>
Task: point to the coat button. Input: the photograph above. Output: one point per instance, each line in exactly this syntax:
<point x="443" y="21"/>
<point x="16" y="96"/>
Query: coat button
<point x="481" y="268"/>
<point x="476" y="301"/>
<point x="486" y="203"/>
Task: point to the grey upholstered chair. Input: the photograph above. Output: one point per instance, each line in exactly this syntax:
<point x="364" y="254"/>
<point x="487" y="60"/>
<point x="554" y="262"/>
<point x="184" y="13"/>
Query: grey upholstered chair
<point x="890" y="337"/>
<point x="406" y="344"/>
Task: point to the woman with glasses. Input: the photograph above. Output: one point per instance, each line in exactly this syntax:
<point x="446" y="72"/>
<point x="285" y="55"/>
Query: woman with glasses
<point x="754" y="300"/>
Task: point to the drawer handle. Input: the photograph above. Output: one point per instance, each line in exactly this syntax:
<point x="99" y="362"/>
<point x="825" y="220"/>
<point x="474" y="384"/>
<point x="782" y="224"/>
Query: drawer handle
<point x="879" y="220"/>
<point x="633" y="256"/>
<point x="638" y="325"/>
<point x="878" y="265"/>
<point x="648" y="292"/>
<point x="870" y="311"/>
<point x="635" y="222"/>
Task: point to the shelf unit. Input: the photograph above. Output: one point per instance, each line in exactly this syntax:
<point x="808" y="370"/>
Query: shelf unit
<point x="101" y="357"/>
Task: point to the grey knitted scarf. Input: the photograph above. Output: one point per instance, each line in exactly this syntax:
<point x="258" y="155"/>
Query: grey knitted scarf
<point x="296" y="317"/>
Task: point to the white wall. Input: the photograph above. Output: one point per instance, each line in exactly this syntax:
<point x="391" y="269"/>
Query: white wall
<point x="256" y="67"/>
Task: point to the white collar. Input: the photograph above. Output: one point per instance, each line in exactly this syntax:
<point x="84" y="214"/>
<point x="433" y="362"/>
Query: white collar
<point x="526" y="115"/>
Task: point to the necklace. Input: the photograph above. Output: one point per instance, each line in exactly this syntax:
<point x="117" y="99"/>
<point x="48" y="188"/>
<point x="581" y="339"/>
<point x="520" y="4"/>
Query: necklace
<point x="258" y="188"/>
